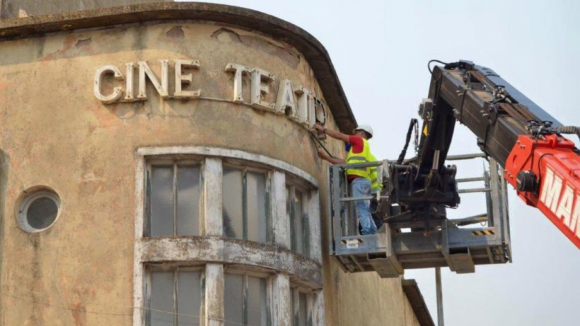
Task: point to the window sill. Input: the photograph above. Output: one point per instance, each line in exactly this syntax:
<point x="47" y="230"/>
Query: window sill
<point x="232" y="251"/>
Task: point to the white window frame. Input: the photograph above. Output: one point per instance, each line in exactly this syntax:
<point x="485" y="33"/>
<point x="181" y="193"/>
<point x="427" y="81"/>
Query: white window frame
<point x="292" y="187"/>
<point x="31" y="196"/>
<point x="258" y="274"/>
<point x="151" y="268"/>
<point x="295" y="292"/>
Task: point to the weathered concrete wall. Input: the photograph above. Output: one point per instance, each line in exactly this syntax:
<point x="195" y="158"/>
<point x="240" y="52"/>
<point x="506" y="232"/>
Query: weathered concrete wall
<point x="55" y="132"/>
<point x="12" y="8"/>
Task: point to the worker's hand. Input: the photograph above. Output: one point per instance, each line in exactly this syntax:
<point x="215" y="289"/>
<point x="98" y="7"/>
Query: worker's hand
<point x="321" y="154"/>
<point x="318" y="127"/>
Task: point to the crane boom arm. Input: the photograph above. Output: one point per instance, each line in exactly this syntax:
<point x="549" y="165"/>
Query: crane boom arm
<point x="539" y="162"/>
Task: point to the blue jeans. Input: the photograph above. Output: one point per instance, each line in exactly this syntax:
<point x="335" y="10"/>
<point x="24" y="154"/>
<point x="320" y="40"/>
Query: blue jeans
<point x="362" y="187"/>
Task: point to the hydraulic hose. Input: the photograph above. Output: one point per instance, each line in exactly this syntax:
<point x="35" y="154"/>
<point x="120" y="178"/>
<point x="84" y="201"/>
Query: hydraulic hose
<point x="569" y="130"/>
<point x="409" y="132"/>
<point x="321" y="145"/>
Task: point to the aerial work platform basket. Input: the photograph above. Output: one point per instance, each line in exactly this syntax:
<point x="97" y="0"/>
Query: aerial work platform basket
<point x="408" y="242"/>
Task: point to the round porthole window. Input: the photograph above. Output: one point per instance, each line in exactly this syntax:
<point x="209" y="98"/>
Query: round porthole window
<point x="38" y="210"/>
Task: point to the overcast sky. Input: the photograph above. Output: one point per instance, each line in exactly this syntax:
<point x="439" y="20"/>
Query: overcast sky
<point x="380" y="51"/>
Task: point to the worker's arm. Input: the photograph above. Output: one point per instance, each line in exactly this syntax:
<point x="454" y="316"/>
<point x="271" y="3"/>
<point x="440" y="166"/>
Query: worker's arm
<point x="334" y="134"/>
<point x="330" y="159"/>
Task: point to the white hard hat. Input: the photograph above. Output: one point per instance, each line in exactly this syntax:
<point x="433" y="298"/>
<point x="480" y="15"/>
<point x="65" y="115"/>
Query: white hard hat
<point x="365" y="128"/>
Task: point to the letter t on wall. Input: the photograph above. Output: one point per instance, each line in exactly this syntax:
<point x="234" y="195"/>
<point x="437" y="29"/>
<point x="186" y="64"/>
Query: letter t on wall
<point x="239" y="71"/>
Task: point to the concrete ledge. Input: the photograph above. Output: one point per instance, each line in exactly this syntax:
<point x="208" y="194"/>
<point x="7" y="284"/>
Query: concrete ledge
<point x="278" y="29"/>
<point x="232" y="251"/>
<point x="417" y="302"/>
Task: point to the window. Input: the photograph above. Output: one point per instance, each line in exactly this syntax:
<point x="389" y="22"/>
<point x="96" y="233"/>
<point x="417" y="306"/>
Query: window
<point x="296" y="211"/>
<point x="246" y="300"/>
<point x="176" y="297"/>
<point x="246" y="204"/>
<point x="173" y="199"/>
<point x="38" y="209"/>
<point x="180" y="193"/>
<point x="299" y="308"/>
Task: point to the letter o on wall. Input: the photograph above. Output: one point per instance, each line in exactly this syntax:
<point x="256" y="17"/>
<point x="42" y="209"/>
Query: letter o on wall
<point x="38" y="209"/>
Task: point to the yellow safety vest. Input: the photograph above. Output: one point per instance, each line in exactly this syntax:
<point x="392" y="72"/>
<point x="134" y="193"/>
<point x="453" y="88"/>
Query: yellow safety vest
<point x="362" y="157"/>
<point x="374" y="176"/>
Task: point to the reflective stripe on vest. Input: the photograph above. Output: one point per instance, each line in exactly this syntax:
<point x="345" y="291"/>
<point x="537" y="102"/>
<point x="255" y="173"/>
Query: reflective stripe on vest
<point x="374" y="176"/>
<point x="362" y="157"/>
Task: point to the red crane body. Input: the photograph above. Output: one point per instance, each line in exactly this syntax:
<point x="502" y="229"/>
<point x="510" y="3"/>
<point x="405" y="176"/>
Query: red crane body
<point x="557" y="167"/>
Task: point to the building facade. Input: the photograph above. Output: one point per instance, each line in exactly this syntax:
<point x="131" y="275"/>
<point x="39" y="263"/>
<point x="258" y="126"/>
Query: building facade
<point x="158" y="169"/>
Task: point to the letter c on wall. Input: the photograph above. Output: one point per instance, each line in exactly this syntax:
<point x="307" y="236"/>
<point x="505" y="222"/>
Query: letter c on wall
<point x="117" y="91"/>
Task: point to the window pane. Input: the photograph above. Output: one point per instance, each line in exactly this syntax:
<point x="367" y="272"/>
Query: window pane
<point x="290" y="215"/>
<point x="188" y="193"/>
<point x="297" y="222"/>
<point x="162" y="201"/>
<point x="234" y="300"/>
<point x="161" y="299"/>
<point x="299" y="218"/>
<point x="289" y="204"/>
<point x="42" y="212"/>
<point x="188" y="298"/>
<point x="302" y="311"/>
<point x="256" y="183"/>
<point x="232" y="203"/>
<point x="257" y="298"/>
<point x="294" y="302"/>
<point x="147" y="219"/>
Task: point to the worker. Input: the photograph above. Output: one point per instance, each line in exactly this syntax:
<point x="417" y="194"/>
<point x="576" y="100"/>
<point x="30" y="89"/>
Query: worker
<point x="376" y="188"/>
<point x="359" y="179"/>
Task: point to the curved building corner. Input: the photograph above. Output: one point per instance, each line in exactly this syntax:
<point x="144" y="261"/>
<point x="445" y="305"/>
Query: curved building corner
<point x="157" y="169"/>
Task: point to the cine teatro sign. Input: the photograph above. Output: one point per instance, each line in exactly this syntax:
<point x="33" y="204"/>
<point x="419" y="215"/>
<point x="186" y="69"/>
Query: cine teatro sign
<point x="295" y="102"/>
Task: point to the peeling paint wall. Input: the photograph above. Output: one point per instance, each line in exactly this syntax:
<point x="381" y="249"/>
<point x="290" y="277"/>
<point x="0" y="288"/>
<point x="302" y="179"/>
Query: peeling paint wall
<point x="55" y="132"/>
